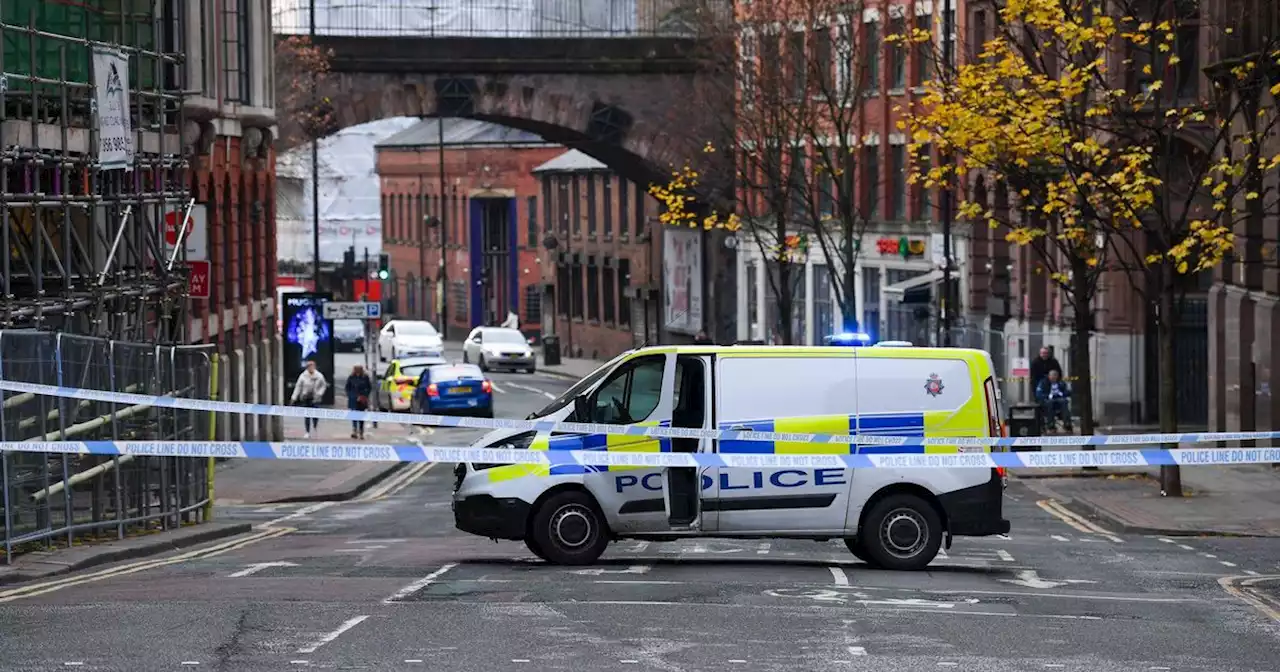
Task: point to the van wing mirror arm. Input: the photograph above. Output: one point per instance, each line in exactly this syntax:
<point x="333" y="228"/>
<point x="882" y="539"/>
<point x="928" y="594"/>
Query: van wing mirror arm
<point x="582" y="408"/>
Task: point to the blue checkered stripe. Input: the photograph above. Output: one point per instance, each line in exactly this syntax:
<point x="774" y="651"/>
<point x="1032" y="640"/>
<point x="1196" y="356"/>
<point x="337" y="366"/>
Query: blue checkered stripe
<point x="883" y="425"/>
<point x="569" y="443"/>
<point x="594" y="459"/>
<point x="901" y="441"/>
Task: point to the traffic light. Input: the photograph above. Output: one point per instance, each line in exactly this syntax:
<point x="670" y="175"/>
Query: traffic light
<point x="384" y="266"/>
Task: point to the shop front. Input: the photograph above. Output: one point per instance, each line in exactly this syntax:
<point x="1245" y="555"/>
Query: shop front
<point x="897" y="284"/>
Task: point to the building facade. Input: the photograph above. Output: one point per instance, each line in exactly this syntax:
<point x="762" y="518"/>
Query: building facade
<point x="1244" y="301"/>
<point x="601" y="252"/>
<point x="477" y="221"/>
<point x="229" y="129"/>
<point x="897" y="222"/>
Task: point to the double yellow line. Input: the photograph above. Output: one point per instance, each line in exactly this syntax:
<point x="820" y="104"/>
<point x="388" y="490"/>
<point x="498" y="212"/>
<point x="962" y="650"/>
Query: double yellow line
<point x="397" y="483"/>
<point x="1241" y="587"/>
<point x="43" y="587"/>
<point x="1076" y="521"/>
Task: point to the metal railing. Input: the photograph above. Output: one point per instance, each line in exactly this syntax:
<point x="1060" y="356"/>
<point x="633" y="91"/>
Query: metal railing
<point x="496" y="18"/>
<point x="57" y="499"/>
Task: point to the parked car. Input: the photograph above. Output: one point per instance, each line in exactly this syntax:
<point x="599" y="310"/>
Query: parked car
<point x="348" y="335"/>
<point x="395" y="390"/>
<point x="499" y="348"/>
<point x="451" y="389"/>
<point x="409" y="338"/>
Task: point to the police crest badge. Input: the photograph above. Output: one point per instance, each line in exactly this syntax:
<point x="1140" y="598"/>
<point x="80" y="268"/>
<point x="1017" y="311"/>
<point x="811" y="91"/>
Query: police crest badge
<point x="933" y="386"/>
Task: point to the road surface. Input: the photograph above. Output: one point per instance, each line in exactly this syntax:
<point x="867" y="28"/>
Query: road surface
<point x="386" y="583"/>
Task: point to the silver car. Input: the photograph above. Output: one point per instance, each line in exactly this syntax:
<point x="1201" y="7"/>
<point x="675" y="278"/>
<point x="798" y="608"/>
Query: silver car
<point x="499" y="348"/>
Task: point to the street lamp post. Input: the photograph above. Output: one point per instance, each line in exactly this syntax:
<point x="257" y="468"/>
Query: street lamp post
<point x="948" y="59"/>
<point x="315" y="166"/>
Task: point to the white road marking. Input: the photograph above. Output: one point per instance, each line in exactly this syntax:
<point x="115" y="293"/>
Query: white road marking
<point x="1167" y="540"/>
<point x="1054" y="665"/>
<point x="377" y="541"/>
<point x="1059" y="537"/>
<point x="1250" y="572"/>
<point x="629" y="662"/>
<point x="73" y="663"/>
<point x="1004" y="555"/>
<point x="1209" y="555"/>
<point x="947" y="664"/>
<point x="346" y="625"/>
<point x="190" y="662"/>
<point x="1228" y="564"/>
<point x="839" y="576"/>
<point x="764" y="547"/>
<point x="857" y="651"/>
<point x="258" y="567"/>
<point x="374" y="547"/>
<point x="1185" y="547"/>
<point x="270" y="509"/>
<point x="640" y="547"/>
<point x="419" y="584"/>
<point x="942" y="554"/>
<point x="519" y="660"/>
<point x="413" y="660"/>
<point x="496" y="388"/>
<point x="1030" y="579"/>
<point x="300" y="513"/>
<point x="534" y="390"/>
<point x="597" y="571"/>
<point x="644" y="582"/>
<point x="299" y="662"/>
<point x="737" y="661"/>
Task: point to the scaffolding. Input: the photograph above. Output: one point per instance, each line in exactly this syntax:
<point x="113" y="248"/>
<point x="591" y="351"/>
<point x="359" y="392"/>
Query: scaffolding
<point x="94" y="208"/>
<point x="83" y="207"/>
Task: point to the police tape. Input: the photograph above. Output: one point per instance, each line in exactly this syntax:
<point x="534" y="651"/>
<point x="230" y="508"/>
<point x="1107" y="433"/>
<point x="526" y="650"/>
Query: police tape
<point x="596" y="429"/>
<point x="600" y="458"/>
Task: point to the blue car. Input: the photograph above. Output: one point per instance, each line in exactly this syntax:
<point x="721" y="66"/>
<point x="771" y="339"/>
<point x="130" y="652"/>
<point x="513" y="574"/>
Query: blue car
<point x="448" y="389"/>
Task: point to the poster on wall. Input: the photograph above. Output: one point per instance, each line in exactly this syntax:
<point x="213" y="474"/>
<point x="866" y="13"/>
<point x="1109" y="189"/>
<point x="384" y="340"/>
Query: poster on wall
<point x="111" y="94"/>
<point x="307" y="336"/>
<point x="682" y="280"/>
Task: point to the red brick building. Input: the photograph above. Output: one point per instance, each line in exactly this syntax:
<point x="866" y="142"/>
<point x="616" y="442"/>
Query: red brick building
<point x="486" y="216"/>
<point x="600" y="258"/>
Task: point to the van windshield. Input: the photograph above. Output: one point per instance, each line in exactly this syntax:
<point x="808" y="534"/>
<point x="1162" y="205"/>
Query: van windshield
<point x="577" y="389"/>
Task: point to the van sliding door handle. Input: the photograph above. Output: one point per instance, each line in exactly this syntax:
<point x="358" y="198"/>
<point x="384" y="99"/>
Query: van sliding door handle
<point x="740" y="428"/>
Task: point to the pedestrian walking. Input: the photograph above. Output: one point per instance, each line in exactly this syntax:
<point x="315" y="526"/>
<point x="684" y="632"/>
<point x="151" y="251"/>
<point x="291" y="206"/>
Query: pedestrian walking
<point x="309" y="391"/>
<point x="358" y="389"/>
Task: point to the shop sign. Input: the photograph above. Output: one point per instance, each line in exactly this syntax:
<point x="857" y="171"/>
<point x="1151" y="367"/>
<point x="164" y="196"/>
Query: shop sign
<point x="903" y="247"/>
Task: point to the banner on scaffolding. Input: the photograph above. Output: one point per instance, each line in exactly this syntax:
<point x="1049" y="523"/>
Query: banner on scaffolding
<point x="111" y="97"/>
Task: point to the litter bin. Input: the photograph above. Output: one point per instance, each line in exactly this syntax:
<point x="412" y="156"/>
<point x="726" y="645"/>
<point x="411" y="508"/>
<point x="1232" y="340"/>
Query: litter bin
<point x="551" y="350"/>
<point x="1024" y="420"/>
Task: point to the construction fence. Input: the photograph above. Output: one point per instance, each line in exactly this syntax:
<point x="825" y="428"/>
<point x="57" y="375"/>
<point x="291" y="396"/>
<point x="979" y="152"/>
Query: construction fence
<point x="48" y="500"/>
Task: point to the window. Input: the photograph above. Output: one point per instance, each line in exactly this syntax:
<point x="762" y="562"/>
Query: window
<point x="459" y="302"/>
<point x="1188" y="70"/>
<point x="624" y="286"/>
<point x="546" y="204"/>
<point x="826" y="189"/>
<point x="771" y="62"/>
<point x="576" y="300"/>
<point x="923" y="161"/>
<point x="949" y="35"/>
<point x="563" y="203"/>
<point x="531" y="213"/>
<point x="411" y="294"/>
<point x="533" y="304"/>
<point x="610" y="295"/>
<point x="593" y="293"/>
<point x="607" y="210"/>
<point x="575" y="215"/>
<point x="823" y="314"/>
<point x="631" y="394"/>
<point x="799" y="63"/>
<point x="638" y="204"/>
<point x="823" y="58"/>
<point x="591" y="204"/>
<point x="799" y="183"/>
<point x="871" y="46"/>
<point x="871" y="180"/>
<point x="977" y="34"/>
<point x="386" y="216"/>
<point x="235" y="50"/>
<point x="870" y="301"/>
<point x="624" y="212"/>
<point x="844" y="62"/>
<point x="747" y="66"/>
<point x="898" y="54"/>
<point x="923" y="51"/>
<point x="898" y="174"/>
<point x="564" y="290"/>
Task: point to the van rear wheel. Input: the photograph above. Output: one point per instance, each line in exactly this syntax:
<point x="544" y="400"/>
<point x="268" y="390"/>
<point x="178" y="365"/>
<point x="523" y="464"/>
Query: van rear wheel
<point x="569" y="529"/>
<point x="902" y="532"/>
<point x="534" y="548"/>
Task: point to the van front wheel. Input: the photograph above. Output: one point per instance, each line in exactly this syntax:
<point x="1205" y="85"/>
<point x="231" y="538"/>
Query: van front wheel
<point x="855" y="547"/>
<point x="902" y="532"/>
<point x="569" y="529"/>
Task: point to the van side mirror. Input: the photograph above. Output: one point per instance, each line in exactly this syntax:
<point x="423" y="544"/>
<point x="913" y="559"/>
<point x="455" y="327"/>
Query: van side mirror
<point x="582" y="409"/>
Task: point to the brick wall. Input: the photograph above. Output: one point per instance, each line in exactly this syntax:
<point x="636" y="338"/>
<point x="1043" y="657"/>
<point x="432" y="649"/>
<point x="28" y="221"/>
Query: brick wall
<point x="410" y="188"/>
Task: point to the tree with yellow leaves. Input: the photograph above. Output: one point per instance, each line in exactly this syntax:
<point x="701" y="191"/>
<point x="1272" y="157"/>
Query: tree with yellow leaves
<point x="794" y="102"/>
<point x="1119" y="154"/>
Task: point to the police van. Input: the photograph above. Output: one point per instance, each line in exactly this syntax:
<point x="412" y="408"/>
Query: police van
<point x="889" y="518"/>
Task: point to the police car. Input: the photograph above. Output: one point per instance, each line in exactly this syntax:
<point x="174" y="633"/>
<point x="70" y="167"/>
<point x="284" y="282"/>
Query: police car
<point x="891" y="518"/>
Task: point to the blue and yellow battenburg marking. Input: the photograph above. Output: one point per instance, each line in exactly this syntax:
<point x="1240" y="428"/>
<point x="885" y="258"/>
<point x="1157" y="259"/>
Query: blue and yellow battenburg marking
<point x="926" y="424"/>
<point x="609" y="442"/>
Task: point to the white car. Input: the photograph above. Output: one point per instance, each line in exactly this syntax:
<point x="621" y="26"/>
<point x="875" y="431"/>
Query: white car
<point x="499" y="348"/>
<point x="409" y="338"/>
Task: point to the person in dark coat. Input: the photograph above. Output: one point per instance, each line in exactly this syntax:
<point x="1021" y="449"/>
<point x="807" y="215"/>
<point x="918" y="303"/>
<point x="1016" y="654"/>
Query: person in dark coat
<point x="1054" y="396"/>
<point x="359" y="387"/>
<point x="1042" y="365"/>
